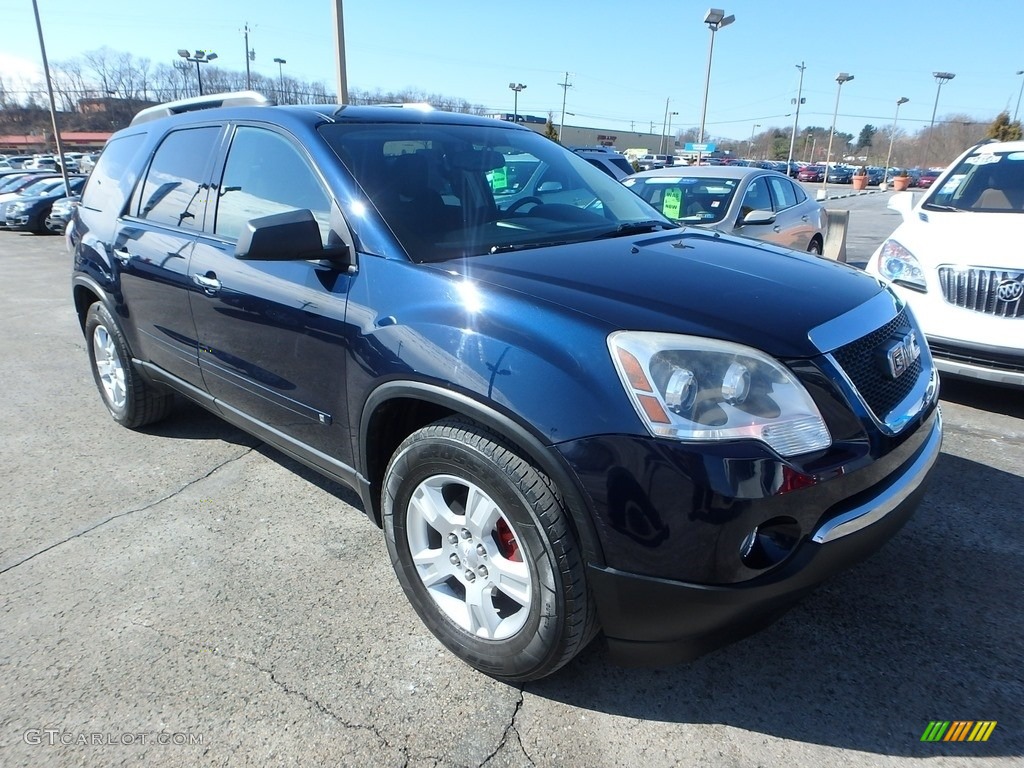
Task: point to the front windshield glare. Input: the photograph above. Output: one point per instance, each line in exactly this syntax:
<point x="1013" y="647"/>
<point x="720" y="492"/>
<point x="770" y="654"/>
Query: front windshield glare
<point x="450" y="191"/>
<point x="984" y="181"/>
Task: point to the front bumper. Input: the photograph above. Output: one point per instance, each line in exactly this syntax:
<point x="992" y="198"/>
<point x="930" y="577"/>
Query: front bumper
<point x="654" y="621"/>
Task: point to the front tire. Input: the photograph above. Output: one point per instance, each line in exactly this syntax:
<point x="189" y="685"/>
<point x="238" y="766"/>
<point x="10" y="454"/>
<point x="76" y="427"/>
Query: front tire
<point x="131" y="400"/>
<point x="482" y="547"/>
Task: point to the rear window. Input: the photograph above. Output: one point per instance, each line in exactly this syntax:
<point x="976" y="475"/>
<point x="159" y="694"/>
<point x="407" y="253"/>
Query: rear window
<point x="110" y="181"/>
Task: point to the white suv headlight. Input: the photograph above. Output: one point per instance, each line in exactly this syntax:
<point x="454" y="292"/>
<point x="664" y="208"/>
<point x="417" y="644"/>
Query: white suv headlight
<point x="898" y="265"/>
<point x="692" y="388"/>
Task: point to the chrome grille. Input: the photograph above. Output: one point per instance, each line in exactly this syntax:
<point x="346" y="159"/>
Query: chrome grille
<point x="978" y="289"/>
<point x="881" y="393"/>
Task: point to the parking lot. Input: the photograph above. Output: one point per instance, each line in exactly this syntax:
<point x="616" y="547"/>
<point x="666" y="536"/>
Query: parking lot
<point x="184" y="595"/>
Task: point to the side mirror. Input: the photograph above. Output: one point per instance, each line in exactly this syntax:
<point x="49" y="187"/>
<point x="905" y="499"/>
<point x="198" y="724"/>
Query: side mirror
<point x="903" y="203"/>
<point x="289" y="236"/>
<point x="550" y="186"/>
<point x="759" y="217"/>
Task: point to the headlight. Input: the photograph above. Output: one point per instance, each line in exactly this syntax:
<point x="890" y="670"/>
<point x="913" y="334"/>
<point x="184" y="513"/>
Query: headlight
<point x="15" y="208"/>
<point x="692" y="388"/>
<point x="900" y="266"/>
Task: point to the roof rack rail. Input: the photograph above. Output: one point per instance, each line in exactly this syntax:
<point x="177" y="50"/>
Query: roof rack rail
<point x="233" y="99"/>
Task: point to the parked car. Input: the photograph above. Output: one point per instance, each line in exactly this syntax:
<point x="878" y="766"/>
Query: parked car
<point x="736" y="200"/>
<point x="28" y="213"/>
<point x="875" y="175"/>
<point x="30" y="187"/>
<point x="649" y="162"/>
<point x="950" y="261"/>
<point x="568" y="414"/>
<point x="840" y="174"/>
<point x="60" y="214"/>
<point x="612" y="163"/>
<point x="927" y="178"/>
<point x="811" y="173"/>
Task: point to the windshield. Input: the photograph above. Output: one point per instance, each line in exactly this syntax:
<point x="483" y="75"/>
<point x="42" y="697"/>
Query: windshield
<point x="40" y="187"/>
<point x="987" y="181"/>
<point x="449" y="191"/>
<point x="687" y="199"/>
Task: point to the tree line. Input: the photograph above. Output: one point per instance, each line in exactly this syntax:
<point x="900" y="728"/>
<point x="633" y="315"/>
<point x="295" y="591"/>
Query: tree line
<point x="102" y="90"/>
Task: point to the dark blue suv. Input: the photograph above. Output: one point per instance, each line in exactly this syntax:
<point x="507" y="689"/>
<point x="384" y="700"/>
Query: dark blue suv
<point x="569" y="416"/>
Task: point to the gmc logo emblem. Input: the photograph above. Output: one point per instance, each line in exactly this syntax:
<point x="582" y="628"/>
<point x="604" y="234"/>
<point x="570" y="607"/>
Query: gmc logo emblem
<point x="901" y="354"/>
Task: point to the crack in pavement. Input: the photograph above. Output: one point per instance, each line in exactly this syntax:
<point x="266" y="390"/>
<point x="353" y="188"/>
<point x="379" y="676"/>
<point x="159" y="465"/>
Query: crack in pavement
<point x="319" y="707"/>
<point x="93" y="526"/>
<point x="504" y="736"/>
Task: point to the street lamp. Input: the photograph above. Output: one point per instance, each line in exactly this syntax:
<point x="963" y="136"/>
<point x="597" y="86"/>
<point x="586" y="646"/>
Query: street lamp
<point x="280" y="75"/>
<point x="841" y="78"/>
<point x="665" y="127"/>
<point x="941" y="78"/>
<point x="892" y="137"/>
<point x="516" y="88"/>
<point x="750" y="144"/>
<point x="672" y="142"/>
<point x="796" y="119"/>
<point x="1019" y="72"/>
<point x="715" y="18"/>
<point x="200" y="57"/>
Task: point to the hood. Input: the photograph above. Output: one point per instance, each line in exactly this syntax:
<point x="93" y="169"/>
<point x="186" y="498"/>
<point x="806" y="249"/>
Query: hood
<point x="964" y="239"/>
<point x="692" y="281"/>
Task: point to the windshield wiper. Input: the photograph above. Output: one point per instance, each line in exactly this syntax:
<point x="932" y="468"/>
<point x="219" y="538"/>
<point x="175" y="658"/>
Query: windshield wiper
<point x="937" y="207"/>
<point x="637" y="228"/>
<point x="507" y="247"/>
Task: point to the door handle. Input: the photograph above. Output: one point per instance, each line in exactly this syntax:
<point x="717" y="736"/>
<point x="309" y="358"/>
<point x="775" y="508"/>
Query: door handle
<point x="777" y="228"/>
<point x="803" y="218"/>
<point x="207" y="282"/>
<point x="122" y="255"/>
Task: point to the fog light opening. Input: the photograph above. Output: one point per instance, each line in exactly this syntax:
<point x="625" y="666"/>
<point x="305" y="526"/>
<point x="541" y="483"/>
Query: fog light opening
<point x="770" y="543"/>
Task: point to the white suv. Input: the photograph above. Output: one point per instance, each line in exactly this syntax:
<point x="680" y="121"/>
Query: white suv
<point x="956" y="260"/>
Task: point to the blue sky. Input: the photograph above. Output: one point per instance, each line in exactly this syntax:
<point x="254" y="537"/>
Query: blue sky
<point x="624" y="58"/>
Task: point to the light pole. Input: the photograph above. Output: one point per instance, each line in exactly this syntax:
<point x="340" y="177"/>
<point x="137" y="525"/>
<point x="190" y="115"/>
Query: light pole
<point x="672" y="142"/>
<point x="941" y="78"/>
<point x="200" y="57"/>
<point x="665" y="127"/>
<point x="841" y="78"/>
<point x="892" y="137"/>
<point x="750" y="144"/>
<point x="516" y="88"/>
<point x="1021" y="91"/>
<point x="280" y="76"/>
<point x="796" y="119"/>
<point x="807" y="138"/>
<point x="715" y="18"/>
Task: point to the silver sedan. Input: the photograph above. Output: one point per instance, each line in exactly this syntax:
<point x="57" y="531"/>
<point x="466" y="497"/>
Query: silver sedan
<point x="750" y="202"/>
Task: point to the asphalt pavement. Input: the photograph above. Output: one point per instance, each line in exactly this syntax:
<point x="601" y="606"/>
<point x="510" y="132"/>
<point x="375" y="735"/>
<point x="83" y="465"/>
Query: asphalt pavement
<point x="184" y="595"/>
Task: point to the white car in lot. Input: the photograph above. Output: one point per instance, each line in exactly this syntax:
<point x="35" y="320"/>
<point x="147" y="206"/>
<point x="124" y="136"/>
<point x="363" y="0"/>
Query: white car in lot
<point x="958" y="261"/>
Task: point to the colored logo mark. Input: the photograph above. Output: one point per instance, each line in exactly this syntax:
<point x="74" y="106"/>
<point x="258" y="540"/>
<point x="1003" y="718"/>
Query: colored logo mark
<point x="958" y="730"/>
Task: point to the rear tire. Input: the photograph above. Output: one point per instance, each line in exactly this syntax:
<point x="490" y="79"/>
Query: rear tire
<point x="815" y="246"/>
<point x="131" y="400"/>
<point x="482" y="547"/>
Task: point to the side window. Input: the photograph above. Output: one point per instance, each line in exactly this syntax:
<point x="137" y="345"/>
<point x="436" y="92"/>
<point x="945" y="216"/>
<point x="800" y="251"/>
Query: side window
<point x="176" y="189"/>
<point x="756" y="198"/>
<point x="109" y="183"/>
<point x="783" y="192"/>
<point x="265" y="174"/>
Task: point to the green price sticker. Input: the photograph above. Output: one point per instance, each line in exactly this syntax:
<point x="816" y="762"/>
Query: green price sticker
<point x="672" y="202"/>
<point x="499" y="179"/>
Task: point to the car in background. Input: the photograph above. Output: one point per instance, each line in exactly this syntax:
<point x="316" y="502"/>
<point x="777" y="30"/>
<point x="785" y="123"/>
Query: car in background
<point x="60" y="214"/>
<point x="953" y="260"/>
<point x="612" y="163"/>
<point x="649" y="162"/>
<point x="875" y="175"/>
<point x="30" y="187"/>
<point x="750" y="202"/>
<point x="927" y="178"/>
<point x="27" y="213"/>
<point x="811" y="173"/>
<point x="840" y="174"/>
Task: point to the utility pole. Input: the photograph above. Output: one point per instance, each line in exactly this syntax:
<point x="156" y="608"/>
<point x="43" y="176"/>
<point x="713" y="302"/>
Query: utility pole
<point x="250" y="55"/>
<point x="661" y="149"/>
<point x="53" y="103"/>
<point x="566" y="85"/>
<point x="796" y="119"/>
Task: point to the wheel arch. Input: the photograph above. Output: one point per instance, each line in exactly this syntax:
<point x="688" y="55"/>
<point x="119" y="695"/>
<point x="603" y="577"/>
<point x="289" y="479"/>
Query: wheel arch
<point x="396" y="409"/>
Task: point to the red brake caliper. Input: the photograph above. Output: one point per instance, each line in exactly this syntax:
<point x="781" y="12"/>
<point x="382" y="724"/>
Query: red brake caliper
<point x="507" y="542"/>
